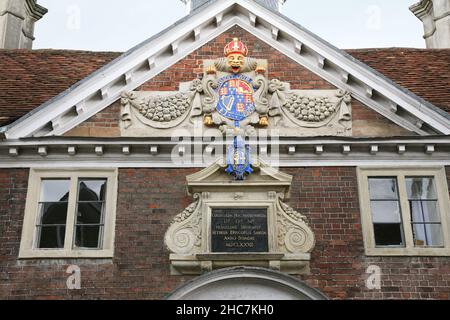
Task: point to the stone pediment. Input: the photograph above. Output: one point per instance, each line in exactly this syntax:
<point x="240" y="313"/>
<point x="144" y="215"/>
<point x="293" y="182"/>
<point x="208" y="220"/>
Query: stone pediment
<point x="214" y="177"/>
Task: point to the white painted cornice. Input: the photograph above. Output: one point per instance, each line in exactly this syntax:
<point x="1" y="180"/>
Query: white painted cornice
<point x="147" y="60"/>
<point x="422" y="8"/>
<point x="65" y="152"/>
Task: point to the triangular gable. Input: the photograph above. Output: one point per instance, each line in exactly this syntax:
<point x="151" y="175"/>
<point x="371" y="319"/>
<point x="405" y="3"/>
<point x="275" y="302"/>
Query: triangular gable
<point x="155" y="55"/>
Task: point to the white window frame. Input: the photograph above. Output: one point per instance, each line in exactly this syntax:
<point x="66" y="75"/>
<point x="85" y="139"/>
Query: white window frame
<point x="28" y="248"/>
<point x="439" y="175"/>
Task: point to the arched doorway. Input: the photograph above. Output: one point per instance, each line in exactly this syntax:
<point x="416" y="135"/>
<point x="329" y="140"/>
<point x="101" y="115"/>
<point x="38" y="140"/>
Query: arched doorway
<point x="246" y="283"/>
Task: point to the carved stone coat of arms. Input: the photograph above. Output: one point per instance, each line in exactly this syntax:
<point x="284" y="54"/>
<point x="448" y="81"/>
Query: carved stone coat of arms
<point x="236" y="97"/>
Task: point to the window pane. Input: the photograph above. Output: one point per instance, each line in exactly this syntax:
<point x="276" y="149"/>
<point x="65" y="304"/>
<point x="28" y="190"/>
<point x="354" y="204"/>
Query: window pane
<point x="51" y="237"/>
<point x="88" y="236"/>
<point x="385" y="212"/>
<point x="428" y="235"/>
<point x="388" y="234"/>
<point x="421" y="188"/>
<point x="90" y="213"/>
<point x="52" y="213"/>
<point x="55" y="190"/>
<point x="383" y="188"/>
<point x="424" y="211"/>
<point x="92" y="190"/>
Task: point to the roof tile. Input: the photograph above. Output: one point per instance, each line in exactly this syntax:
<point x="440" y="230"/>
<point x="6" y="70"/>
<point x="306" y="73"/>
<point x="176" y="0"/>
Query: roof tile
<point x="30" y="78"/>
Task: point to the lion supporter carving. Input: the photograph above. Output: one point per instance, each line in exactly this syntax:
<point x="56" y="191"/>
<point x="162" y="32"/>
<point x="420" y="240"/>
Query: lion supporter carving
<point x="235" y="94"/>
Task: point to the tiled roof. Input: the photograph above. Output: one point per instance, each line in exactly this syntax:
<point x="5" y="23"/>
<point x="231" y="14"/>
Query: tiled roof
<point x="425" y="72"/>
<point x="30" y="78"/>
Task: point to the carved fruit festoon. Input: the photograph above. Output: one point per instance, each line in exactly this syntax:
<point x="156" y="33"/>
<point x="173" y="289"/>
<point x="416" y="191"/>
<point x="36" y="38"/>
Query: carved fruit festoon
<point x="268" y="103"/>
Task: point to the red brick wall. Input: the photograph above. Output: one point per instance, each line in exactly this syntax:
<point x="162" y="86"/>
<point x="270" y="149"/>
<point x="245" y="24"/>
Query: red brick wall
<point x="329" y="198"/>
<point x="148" y="199"/>
<point x="280" y="67"/>
<point x="103" y="124"/>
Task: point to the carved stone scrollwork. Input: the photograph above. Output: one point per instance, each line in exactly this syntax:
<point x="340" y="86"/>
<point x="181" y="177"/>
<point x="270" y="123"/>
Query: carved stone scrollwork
<point x="185" y="234"/>
<point x="161" y="111"/>
<point x="196" y="88"/>
<point x="210" y="94"/>
<point x="294" y="234"/>
<point x="317" y="111"/>
<point x="236" y="97"/>
<point x="278" y="90"/>
<point x="260" y="96"/>
<point x="126" y="99"/>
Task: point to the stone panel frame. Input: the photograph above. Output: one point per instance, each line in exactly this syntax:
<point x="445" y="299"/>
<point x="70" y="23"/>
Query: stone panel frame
<point x="188" y="239"/>
<point x="27" y="245"/>
<point x="439" y="175"/>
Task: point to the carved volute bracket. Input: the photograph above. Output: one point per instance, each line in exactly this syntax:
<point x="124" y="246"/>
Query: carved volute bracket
<point x="294" y="234"/>
<point x="185" y="233"/>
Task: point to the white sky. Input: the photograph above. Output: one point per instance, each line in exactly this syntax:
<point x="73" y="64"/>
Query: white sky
<point x="118" y="25"/>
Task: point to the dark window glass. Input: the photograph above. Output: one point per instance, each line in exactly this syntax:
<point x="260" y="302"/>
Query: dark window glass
<point x="51" y="237"/>
<point x="87" y="236"/>
<point x="51" y="226"/>
<point x="388" y="234"/>
<point x="89" y="223"/>
<point x="386" y="212"/>
<point x="425" y="219"/>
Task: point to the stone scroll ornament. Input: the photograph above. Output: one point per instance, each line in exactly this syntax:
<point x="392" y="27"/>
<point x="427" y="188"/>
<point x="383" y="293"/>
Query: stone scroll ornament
<point x="294" y="234"/>
<point x="185" y="234"/>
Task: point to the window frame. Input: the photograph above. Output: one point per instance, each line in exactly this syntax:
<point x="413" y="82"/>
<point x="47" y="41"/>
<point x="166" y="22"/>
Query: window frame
<point x="440" y="180"/>
<point x="28" y="249"/>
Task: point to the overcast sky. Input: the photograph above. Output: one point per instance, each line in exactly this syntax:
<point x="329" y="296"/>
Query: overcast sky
<point x="118" y="25"/>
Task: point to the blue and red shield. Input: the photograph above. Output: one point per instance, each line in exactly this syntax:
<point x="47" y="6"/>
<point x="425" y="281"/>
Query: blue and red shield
<point x="236" y="97"/>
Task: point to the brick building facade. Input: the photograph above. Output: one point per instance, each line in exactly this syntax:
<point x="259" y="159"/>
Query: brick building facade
<point x="399" y="126"/>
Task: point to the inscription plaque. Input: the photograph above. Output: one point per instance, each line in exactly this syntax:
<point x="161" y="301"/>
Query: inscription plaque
<point x="239" y="230"/>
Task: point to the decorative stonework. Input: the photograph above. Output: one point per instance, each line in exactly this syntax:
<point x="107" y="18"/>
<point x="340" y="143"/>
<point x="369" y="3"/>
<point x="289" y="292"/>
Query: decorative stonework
<point x="313" y="112"/>
<point x="144" y="62"/>
<point x="185" y="234"/>
<point x="156" y="110"/>
<point x="236" y="98"/>
<point x="189" y="238"/>
<point x="294" y="234"/>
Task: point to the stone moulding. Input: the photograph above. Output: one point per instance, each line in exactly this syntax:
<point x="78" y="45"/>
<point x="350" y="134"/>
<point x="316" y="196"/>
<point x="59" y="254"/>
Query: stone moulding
<point x="290" y="238"/>
<point x="63" y="152"/>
